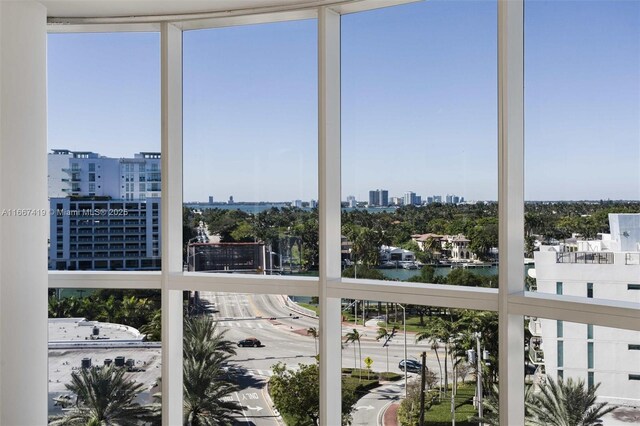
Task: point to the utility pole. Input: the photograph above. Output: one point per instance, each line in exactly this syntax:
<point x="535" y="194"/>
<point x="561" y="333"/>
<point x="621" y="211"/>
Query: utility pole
<point x="404" y="326"/>
<point x="422" y="384"/>
<point x="453" y="397"/>
<point x="479" y="378"/>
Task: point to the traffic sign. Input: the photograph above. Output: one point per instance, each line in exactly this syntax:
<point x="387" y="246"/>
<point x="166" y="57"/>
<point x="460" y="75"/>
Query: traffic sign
<point x="368" y="361"/>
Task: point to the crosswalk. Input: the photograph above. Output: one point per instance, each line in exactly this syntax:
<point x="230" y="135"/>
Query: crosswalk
<point x="240" y="324"/>
<point x="267" y="373"/>
<point x="264" y="373"/>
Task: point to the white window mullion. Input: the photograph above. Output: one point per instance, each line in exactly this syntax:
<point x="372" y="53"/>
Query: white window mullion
<point x="171" y="222"/>
<point x="329" y="213"/>
<point x="511" y="206"/>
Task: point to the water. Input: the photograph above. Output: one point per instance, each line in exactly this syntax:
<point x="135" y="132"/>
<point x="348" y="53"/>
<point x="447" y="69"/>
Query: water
<point x="252" y="208"/>
<point x="255" y="208"/>
<point x="401" y="274"/>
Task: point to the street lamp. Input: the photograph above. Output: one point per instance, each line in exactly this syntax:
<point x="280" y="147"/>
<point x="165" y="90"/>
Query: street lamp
<point x="355" y="276"/>
<point x="475" y="355"/>
<point x="192" y="254"/>
<point x="479" y="376"/>
<point x="404" y="325"/>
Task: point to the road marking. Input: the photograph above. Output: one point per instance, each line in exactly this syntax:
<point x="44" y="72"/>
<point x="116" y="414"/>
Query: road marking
<point x="365" y="407"/>
<point x="267" y="399"/>
<point x="256" y="408"/>
<point x="242" y="408"/>
<point x="250" y="396"/>
<point x="267" y="373"/>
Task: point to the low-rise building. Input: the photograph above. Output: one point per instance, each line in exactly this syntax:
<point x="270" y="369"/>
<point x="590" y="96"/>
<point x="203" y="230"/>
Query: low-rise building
<point x="392" y="254"/>
<point x="608" y="268"/>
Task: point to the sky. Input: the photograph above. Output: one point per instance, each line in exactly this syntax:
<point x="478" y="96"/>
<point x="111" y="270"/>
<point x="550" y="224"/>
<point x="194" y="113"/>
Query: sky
<point x="419" y="102"/>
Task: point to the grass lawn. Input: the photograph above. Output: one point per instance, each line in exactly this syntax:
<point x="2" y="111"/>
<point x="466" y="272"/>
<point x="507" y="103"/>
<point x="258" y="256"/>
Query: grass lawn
<point x="413" y="324"/>
<point x="440" y="414"/>
<point x="313" y="308"/>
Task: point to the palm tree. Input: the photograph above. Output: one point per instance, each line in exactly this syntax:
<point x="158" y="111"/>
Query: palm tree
<point x="440" y="329"/>
<point x="491" y="405"/>
<point x="105" y="397"/>
<point x="383" y="333"/>
<point x="203" y="340"/>
<point x="153" y="329"/>
<point x="204" y="395"/>
<point x="205" y="352"/>
<point x="432" y="246"/>
<point x="354" y="336"/>
<point x="313" y="332"/>
<point x="568" y="403"/>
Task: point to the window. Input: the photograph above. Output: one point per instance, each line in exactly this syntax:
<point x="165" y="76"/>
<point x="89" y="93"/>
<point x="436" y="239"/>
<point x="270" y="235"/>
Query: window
<point x="601" y="353"/>
<point x="264" y="131"/>
<point x="633" y="287"/>
<point x="590" y="290"/>
<point x="101" y="310"/>
<point x="403" y="96"/>
<point x="560" y="353"/>
<point x="269" y="119"/>
<point x="128" y="96"/>
<point x="633" y="347"/>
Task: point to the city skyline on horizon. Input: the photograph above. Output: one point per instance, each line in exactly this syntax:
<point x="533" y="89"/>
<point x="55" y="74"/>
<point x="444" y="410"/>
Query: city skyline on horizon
<point x="433" y="131"/>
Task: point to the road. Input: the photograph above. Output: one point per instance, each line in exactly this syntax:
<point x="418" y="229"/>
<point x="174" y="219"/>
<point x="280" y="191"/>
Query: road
<point x="284" y="338"/>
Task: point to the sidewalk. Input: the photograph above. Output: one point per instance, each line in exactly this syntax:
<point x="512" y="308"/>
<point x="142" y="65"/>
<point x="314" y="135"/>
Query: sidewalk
<point x="390" y="416"/>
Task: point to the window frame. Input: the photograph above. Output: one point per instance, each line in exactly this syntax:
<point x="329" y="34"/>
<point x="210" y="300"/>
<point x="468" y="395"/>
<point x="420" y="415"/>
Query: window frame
<point x="510" y="300"/>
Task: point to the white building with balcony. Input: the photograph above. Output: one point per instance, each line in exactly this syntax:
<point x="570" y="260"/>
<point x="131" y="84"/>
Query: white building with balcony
<point x="95" y="234"/>
<point x="105" y="212"/>
<point x="608" y="268"/>
<point x="88" y="174"/>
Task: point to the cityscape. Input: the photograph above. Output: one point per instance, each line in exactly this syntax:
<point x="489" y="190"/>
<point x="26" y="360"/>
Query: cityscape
<point x="408" y="324"/>
<point x="105" y="215"/>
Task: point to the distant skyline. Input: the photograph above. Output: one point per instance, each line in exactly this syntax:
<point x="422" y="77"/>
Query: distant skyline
<point x="419" y="110"/>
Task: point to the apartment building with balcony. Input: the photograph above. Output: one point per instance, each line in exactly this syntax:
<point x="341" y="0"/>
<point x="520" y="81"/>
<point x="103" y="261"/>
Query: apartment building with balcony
<point x="104" y="234"/>
<point x="104" y="212"/>
<point x="607" y="268"/>
<point x="89" y="174"/>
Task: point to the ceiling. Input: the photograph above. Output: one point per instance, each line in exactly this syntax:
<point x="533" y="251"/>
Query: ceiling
<point x="126" y="8"/>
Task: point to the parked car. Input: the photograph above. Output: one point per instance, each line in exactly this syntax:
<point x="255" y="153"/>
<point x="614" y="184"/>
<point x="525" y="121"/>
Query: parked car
<point x="251" y="342"/>
<point x="411" y="365"/>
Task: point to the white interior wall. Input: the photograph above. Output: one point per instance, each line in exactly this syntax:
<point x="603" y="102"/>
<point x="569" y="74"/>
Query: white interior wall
<point x="24" y="231"/>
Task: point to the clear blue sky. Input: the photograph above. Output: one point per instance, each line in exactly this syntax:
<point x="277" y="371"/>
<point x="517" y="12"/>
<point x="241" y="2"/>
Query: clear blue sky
<point x="419" y="113"/>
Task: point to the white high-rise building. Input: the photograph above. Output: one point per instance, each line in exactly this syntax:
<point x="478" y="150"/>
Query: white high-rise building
<point x="410" y="198"/>
<point x="608" y="268"/>
<point x="105" y="212"/>
<point x="91" y="234"/>
<point x="88" y="174"/>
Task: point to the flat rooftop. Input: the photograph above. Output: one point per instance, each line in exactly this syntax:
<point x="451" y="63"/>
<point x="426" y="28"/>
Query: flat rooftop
<point x="79" y="329"/>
